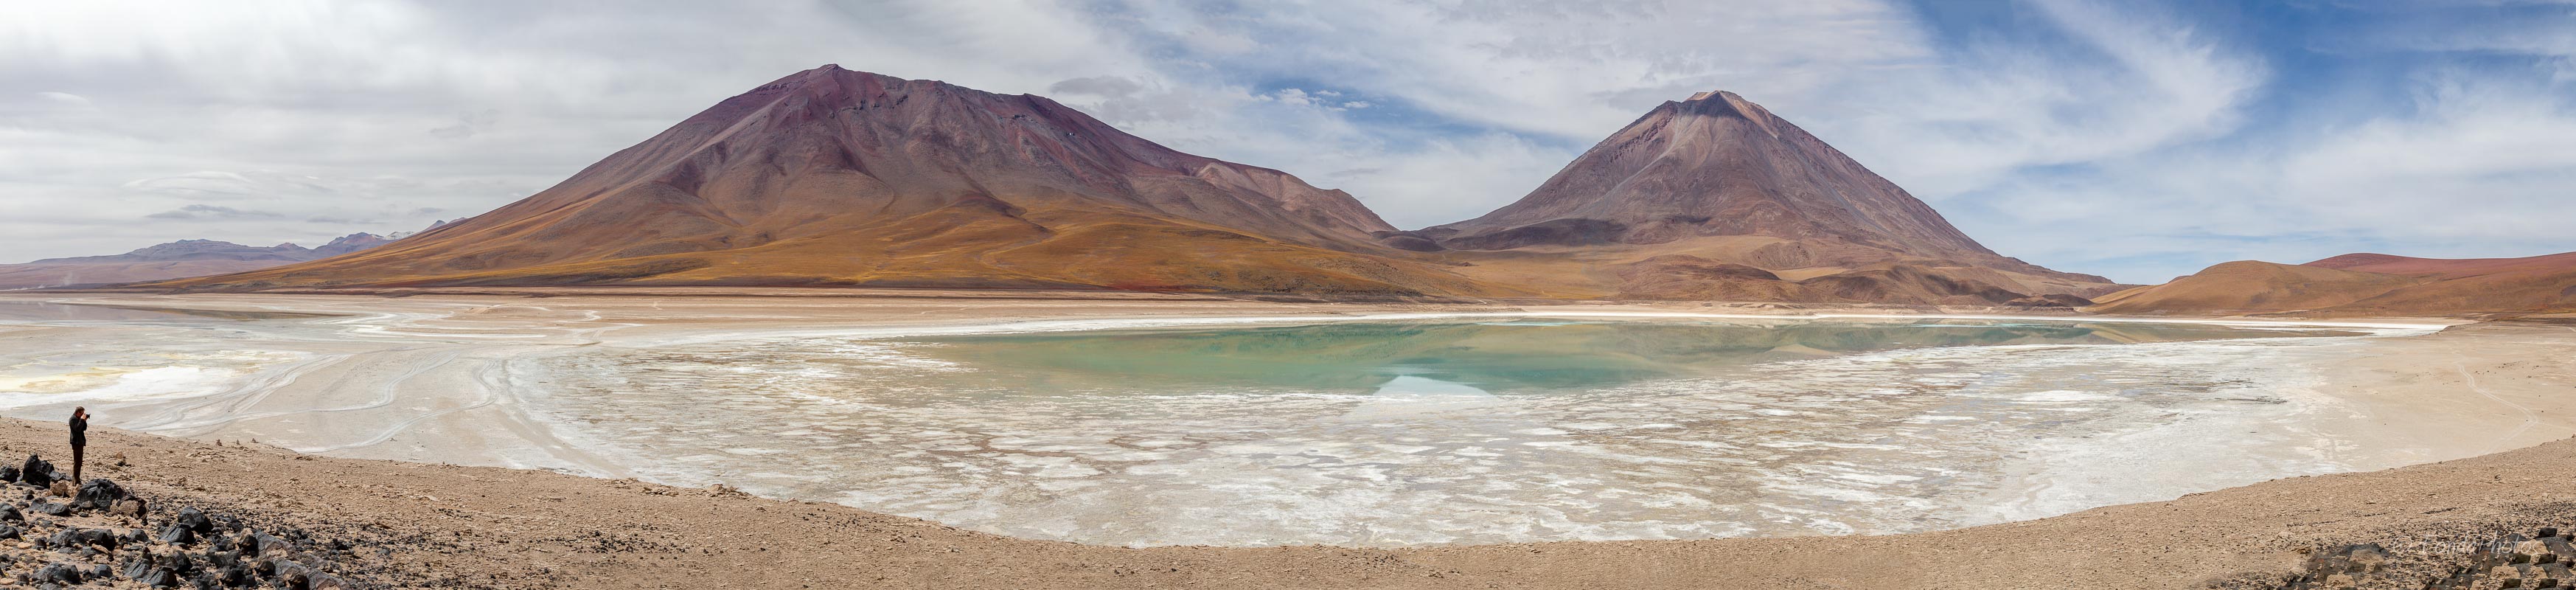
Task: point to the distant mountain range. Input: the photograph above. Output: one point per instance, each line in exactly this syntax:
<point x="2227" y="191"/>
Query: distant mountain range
<point x="2363" y="285"/>
<point x="183" y="258"/>
<point x="836" y="177"/>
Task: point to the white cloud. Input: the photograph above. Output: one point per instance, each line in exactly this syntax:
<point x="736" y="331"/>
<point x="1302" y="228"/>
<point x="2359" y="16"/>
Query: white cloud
<point x="2476" y="162"/>
<point x="2136" y="82"/>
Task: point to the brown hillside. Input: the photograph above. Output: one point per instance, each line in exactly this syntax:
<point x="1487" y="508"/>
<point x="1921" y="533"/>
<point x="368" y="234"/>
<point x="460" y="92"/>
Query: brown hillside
<point x="2256" y="287"/>
<point x="2445" y="267"/>
<point x="2366" y="284"/>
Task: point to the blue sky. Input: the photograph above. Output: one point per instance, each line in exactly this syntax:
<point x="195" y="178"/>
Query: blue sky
<point x="2138" y="140"/>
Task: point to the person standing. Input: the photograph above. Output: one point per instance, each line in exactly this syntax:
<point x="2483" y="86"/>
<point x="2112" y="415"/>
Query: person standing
<point x="80" y="439"/>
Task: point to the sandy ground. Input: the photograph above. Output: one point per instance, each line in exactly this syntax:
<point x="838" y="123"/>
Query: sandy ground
<point x="2508" y="384"/>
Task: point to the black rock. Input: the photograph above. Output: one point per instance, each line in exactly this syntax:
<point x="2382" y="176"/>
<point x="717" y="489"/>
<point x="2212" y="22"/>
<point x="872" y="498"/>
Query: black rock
<point x="223" y="559"/>
<point x="178" y="562"/>
<point x="10" y="513"/>
<point x="158" y="578"/>
<point x="100" y="572"/>
<point x="195" y="520"/>
<point x="51" y="509"/>
<point x="8" y="474"/>
<point x="2547" y="532"/>
<point x="235" y="575"/>
<point x="178" y="535"/>
<point x="99" y="494"/>
<point x="36" y="472"/>
<point x="102" y="538"/>
<point x="59" y="573"/>
<point x="10" y="532"/>
<point x="135" y="568"/>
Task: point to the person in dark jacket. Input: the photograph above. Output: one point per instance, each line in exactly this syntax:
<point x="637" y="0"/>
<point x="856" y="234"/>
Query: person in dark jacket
<point x="80" y="440"/>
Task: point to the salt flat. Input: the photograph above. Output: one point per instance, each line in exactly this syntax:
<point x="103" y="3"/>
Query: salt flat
<point x="697" y="389"/>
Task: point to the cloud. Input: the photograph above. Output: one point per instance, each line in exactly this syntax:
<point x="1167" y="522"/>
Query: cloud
<point x="197" y="184"/>
<point x="210" y="212"/>
<point x="2120" y="83"/>
<point x="2476" y="161"/>
<point x="466" y="124"/>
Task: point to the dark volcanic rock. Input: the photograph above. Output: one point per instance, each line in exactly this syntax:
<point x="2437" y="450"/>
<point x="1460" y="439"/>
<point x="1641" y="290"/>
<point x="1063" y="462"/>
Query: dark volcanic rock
<point x="101" y="538"/>
<point x="58" y="573"/>
<point x="99" y="494"/>
<point x="178" y="535"/>
<point x="194" y="520"/>
<point x="37" y="472"/>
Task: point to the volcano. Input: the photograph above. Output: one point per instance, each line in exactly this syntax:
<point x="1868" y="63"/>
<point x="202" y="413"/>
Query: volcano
<point x="1718" y="181"/>
<point x="837" y="177"/>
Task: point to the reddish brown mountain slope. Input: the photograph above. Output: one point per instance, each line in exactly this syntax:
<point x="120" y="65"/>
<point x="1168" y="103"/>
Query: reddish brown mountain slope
<point x="836" y="177"/>
<point x="2366" y="284"/>
<point x="2444" y="267"/>
<point x="1720" y="180"/>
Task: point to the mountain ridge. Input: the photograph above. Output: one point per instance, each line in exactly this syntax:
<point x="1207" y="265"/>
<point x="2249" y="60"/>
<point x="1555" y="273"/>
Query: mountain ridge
<point x="170" y="260"/>
<point x="831" y="177"/>
<point x="2363" y="284"/>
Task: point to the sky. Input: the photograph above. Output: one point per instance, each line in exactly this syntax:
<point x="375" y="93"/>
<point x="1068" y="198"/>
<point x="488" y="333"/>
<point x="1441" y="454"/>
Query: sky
<point x="2137" y="140"/>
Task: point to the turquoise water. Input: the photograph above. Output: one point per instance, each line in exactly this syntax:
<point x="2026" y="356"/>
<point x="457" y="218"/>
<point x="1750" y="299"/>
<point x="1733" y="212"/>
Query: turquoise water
<point x="1498" y="357"/>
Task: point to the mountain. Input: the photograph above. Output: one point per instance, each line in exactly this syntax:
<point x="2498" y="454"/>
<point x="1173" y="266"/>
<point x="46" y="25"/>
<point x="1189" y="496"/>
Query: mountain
<point x="183" y="258"/>
<point x="1719" y="180"/>
<point x="836" y="177"/>
<point x="2363" y="284"/>
<point x="352" y="243"/>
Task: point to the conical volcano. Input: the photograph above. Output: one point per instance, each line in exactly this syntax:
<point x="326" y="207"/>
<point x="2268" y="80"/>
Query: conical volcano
<point x="1715" y="165"/>
<point x="837" y="177"/>
<point x="1718" y="180"/>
